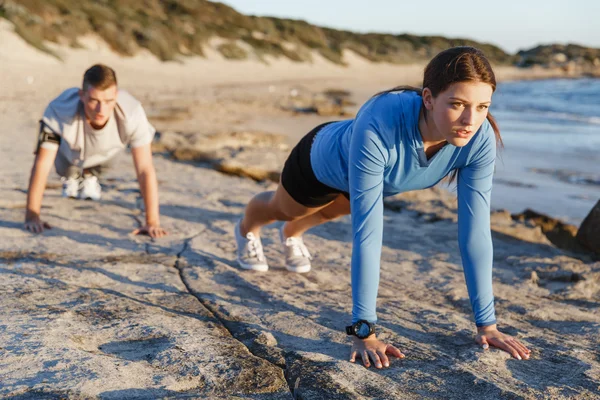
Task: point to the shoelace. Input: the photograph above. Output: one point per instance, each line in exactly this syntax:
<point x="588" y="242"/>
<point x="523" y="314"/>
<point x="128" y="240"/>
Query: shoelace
<point x="298" y="247"/>
<point x="254" y="247"/>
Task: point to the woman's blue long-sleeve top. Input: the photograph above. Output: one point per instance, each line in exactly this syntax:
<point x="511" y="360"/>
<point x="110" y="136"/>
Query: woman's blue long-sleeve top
<point x="380" y="153"/>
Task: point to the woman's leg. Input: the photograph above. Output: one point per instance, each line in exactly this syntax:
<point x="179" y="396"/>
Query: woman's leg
<point x="297" y="256"/>
<point x="339" y="207"/>
<point x="263" y="209"/>
<point x="268" y="207"/>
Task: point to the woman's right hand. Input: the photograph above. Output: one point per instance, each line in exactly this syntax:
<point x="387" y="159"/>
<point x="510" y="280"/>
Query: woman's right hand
<point x="36" y="225"/>
<point x="373" y="349"/>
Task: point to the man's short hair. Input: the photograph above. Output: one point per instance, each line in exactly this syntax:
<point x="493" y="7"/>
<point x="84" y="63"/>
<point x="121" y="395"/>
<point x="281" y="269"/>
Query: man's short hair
<point x="100" y="77"/>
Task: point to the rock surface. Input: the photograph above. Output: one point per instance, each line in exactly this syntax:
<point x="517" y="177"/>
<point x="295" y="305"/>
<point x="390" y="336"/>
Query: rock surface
<point x="256" y="155"/>
<point x="589" y="231"/>
<point x="91" y="312"/>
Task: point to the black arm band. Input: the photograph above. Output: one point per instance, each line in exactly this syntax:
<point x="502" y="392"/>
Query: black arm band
<point x="46" y="135"/>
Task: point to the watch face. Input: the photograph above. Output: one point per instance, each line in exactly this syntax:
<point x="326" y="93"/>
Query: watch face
<point x="362" y="330"/>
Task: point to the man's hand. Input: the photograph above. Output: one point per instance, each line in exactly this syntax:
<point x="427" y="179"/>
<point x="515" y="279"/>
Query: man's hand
<point x="154" y="231"/>
<point x="36" y="225"/>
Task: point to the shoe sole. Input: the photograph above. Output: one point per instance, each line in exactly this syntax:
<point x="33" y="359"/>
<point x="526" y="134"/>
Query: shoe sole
<point x="299" y="270"/>
<point x="253" y="267"/>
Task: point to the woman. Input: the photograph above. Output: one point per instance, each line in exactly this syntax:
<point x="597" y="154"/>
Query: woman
<point x="402" y="139"/>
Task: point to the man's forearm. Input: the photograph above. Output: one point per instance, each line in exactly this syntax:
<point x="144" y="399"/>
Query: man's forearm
<point x="37" y="180"/>
<point x="35" y="193"/>
<point x="149" y="189"/>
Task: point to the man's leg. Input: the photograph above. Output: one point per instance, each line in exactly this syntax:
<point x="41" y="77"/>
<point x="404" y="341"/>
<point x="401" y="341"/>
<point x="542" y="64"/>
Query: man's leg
<point x="96" y="170"/>
<point x="90" y="186"/>
<point x="70" y="176"/>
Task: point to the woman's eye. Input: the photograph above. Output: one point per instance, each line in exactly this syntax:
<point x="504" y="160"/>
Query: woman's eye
<point x="483" y="107"/>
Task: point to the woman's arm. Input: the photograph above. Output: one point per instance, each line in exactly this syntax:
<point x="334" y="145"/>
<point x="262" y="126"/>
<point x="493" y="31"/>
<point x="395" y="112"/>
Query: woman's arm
<point x="367" y="160"/>
<point x="475" y="242"/>
<point x="474" y="232"/>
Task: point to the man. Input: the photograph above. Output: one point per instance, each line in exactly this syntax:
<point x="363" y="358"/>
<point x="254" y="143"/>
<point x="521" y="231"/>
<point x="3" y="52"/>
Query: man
<point x="80" y="132"/>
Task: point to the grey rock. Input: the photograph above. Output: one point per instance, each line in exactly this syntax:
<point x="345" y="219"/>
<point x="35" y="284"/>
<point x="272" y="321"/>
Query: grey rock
<point x="589" y="231"/>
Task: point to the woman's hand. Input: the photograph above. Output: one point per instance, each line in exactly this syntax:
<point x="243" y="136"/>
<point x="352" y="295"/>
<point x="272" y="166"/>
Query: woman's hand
<point x="373" y="349"/>
<point x="491" y="336"/>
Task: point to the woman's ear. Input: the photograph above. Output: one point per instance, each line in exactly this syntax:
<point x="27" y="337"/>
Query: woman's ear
<point x="427" y="98"/>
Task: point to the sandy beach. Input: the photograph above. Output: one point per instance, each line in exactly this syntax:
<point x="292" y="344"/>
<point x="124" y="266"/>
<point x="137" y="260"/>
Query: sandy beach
<point x="91" y="312"/>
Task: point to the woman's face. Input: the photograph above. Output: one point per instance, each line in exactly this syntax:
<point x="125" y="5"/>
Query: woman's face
<point x="459" y="111"/>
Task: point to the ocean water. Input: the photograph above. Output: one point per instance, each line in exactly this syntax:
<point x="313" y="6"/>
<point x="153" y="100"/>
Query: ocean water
<point x="551" y="159"/>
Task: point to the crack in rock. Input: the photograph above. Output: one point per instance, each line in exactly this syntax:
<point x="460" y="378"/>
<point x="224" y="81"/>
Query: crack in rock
<point x="257" y="347"/>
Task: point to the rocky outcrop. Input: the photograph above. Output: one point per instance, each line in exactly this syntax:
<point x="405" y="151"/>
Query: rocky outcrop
<point x="255" y="155"/>
<point x="436" y="204"/>
<point x="572" y="59"/>
<point x="589" y="231"/>
<point x="560" y="234"/>
<point x="329" y="103"/>
<point x="430" y="205"/>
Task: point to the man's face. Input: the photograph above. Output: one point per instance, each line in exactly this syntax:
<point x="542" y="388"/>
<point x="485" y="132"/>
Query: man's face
<point x="98" y="104"/>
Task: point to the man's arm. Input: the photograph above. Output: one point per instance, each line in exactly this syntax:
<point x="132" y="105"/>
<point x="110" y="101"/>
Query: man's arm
<point x="146" y="175"/>
<point x="37" y="184"/>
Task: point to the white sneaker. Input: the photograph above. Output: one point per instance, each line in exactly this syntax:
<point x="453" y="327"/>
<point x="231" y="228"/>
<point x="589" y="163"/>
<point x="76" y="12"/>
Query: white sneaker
<point x="70" y="187"/>
<point x="297" y="257"/>
<point x="250" y="251"/>
<point x="90" y="188"/>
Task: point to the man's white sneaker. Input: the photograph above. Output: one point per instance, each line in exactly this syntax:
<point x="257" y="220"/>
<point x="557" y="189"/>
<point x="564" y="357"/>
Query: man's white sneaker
<point x="250" y="251"/>
<point x="297" y="257"/>
<point x="90" y="188"/>
<point x="70" y="187"/>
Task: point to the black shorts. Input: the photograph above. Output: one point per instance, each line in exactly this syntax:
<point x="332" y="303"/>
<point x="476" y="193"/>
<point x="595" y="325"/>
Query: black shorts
<point x="298" y="177"/>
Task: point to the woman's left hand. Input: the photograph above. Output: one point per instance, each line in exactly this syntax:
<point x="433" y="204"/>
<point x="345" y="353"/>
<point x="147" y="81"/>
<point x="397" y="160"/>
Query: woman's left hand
<point x="491" y="336"/>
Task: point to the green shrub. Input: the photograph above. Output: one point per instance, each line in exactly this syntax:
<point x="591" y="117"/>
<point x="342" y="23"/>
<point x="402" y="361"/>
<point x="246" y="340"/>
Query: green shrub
<point x="167" y="27"/>
<point x="31" y="35"/>
<point x="232" y="51"/>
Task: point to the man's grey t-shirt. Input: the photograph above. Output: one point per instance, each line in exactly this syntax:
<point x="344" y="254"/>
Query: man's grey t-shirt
<point x="65" y="117"/>
<point x="101" y="144"/>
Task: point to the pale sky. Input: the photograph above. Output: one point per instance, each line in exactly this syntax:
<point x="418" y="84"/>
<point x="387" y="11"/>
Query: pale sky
<point x="510" y="24"/>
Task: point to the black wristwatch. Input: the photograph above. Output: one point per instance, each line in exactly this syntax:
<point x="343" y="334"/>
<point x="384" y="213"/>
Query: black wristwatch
<point x="362" y="329"/>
